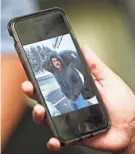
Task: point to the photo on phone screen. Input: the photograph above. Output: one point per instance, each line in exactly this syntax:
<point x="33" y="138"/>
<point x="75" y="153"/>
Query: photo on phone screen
<point x="60" y="74"/>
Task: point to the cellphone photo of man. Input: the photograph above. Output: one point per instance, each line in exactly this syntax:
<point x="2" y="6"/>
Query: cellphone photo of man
<point x="61" y="75"/>
<point x="69" y="80"/>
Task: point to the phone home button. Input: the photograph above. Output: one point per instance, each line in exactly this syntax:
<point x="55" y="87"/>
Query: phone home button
<point x="86" y="127"/>
<point x="83" y="128"/>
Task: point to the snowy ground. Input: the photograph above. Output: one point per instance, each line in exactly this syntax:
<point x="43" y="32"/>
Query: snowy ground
<point x="55" y="99"/>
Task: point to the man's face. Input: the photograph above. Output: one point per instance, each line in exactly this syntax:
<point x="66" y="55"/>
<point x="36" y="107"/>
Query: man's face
<point x="56" y="63"/>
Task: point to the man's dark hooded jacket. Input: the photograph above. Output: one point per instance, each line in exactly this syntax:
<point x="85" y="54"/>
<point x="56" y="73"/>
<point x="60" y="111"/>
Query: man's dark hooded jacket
<point x="68" y="78"/>
<point x="69" y="57"/>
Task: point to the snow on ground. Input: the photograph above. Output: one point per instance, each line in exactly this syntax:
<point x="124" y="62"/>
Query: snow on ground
<point x="48" y="88"/>
<point x="43" y="74"/>
<point x="93" y="100"/>
<point x="52" y="109"/>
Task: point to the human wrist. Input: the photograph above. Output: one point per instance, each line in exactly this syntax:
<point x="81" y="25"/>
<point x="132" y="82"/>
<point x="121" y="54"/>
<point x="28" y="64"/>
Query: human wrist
<point x="130" y="149"/>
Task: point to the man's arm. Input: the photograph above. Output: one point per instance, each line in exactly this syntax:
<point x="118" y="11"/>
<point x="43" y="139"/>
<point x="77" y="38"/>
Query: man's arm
<point x="12" y="96"/>
<point x="66" y="92"/>
<point x="76" y="80"/>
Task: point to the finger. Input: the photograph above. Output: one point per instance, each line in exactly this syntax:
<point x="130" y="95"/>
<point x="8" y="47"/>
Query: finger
<point x="100" y="88"/>
<point x="53" y="144"/>
<point x="38" y="113"/>
<point x="28" y="88"/>
<point x="97" y="67"/>
<point x="93" y="77"/>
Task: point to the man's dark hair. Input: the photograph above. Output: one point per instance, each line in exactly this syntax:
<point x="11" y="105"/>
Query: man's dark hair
<point x="51" y="57"/>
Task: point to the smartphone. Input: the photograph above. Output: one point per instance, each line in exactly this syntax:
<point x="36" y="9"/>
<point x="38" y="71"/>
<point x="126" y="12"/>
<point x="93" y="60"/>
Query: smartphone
<point x="54" y="63"/>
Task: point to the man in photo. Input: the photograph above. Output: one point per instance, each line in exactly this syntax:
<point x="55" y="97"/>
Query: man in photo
<point x="69" y="81"/>
<point x="70" y="56"/>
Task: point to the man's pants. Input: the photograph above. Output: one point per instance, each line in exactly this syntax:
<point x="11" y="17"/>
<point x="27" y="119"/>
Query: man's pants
<point x="79" y="103"/>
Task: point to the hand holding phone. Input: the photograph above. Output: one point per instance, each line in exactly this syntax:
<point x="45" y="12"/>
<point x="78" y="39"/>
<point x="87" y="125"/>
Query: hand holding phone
<point x="116" y="138"/>
<point x="55" y="65"/>
<point x="62" y="81"/>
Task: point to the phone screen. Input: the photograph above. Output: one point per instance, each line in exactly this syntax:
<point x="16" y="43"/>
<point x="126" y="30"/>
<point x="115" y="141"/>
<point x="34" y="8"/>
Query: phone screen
<point x="61" y="74"/>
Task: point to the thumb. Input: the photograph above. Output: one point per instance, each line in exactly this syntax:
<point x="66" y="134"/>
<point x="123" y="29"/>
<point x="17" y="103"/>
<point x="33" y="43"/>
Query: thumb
<point x="97" y="67"/>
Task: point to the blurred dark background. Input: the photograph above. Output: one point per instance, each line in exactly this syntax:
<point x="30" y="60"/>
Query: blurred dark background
<point x="107" y="26"/>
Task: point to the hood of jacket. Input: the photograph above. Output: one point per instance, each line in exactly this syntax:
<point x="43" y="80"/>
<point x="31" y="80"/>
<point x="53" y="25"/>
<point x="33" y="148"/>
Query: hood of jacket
<point x="54" y="54"/>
